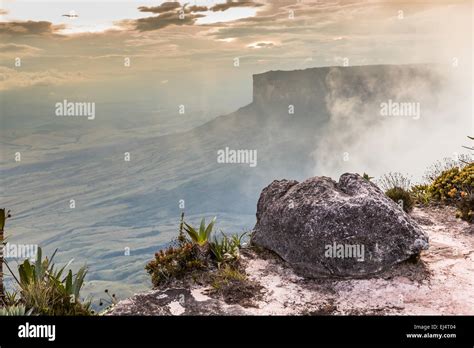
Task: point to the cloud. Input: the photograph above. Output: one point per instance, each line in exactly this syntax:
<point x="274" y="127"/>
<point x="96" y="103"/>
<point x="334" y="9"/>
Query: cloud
<point x="169" y="13"/>
<point x="11" y="48"/>
<point x="196" y="8"/>
<point x="29" y="28"/>
<point x="164" y="20"/>
<point x="262" y="45"/>
<point x="13" y="79"/>
<point x="164" y="7"/>
<point x="231" y="4"/>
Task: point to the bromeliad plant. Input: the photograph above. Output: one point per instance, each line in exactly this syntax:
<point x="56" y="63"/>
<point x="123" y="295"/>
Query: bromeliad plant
<point x="226" y="248"/>
<point x="46" y="290"/>
<point x="194" y="252"/>
<point x="15" y="310"/>
<point x="191" y="254"/>
<point x="200" y="237"/>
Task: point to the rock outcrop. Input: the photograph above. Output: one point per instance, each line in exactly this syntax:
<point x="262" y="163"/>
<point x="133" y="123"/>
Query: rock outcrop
<point x="444" y="271"/>
<point x="324" y="228"/>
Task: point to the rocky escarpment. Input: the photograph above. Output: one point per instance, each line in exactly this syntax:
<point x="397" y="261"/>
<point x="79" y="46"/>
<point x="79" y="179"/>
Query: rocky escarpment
<point x="439" y="284"/>
<point x="324" y="228"/>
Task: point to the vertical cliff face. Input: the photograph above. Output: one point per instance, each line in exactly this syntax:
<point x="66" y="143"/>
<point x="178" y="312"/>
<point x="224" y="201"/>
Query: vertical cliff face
<point x="304" y="89"/>
<point x="313" y="92"/>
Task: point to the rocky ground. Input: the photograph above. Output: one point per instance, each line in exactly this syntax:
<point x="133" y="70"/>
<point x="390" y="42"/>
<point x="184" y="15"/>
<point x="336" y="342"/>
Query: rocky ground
<point x="441" y="282"/>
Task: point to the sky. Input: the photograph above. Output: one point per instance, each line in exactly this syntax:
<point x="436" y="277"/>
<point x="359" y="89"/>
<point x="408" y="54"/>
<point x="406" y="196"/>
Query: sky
<point x="140" y="60"/>
<point x="202" y="38"/>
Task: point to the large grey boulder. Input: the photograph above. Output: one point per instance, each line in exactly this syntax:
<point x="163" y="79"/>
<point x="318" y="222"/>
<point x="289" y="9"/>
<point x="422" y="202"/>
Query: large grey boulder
<point x="324" y="228"/>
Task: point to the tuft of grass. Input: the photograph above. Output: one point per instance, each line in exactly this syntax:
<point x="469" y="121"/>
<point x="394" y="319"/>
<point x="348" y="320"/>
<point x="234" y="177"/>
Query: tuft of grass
<point x="232" y="284"/>
<point x="227" y="275"/>
<point x="402" y="197"/>
<point x="393" y="180"/>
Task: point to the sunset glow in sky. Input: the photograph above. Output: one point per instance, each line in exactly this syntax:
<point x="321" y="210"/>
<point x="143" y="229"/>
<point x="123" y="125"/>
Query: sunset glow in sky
<point x="197" y="36"/>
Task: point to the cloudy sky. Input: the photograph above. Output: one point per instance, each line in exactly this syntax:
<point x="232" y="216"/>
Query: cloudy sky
<point x="66" y="42"/>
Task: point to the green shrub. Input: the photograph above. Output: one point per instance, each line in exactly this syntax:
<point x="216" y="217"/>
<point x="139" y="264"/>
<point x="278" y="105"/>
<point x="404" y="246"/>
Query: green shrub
<point x="466" y="208"/>
<point x="456" y="186"/>
<point x="193" y="253"/>
<point x="443" y="188"/>
<point x="174" y="263"/>
<point x="401" y="197"/>
<point x="436" y="169"/>
<point x="45" y="291"/>
<point x="420" y="194"/>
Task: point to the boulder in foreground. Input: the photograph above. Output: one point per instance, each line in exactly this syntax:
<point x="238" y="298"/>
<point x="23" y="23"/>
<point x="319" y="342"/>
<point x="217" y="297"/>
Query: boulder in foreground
<point x="324" y="228"/>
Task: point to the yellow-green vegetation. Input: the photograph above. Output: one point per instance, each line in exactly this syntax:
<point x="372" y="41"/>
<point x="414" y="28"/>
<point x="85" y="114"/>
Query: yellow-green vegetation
<point x="174" y="263"/>
<point x="227" y="275"/>
<point x="456" y="186"/>
<point x="231" y="283"/>
<point x="420" y="194"/>
<point x="448" y="182"/>
<point x="46" y="290"/>
<point x="194" y="252"/>
<point x="402" y="197"/>
<point x="42" y="289"/>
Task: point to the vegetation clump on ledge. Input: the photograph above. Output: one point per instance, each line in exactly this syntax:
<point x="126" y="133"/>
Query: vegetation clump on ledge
<point x="42" y="288"/>
<point x="197" y="257"/>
